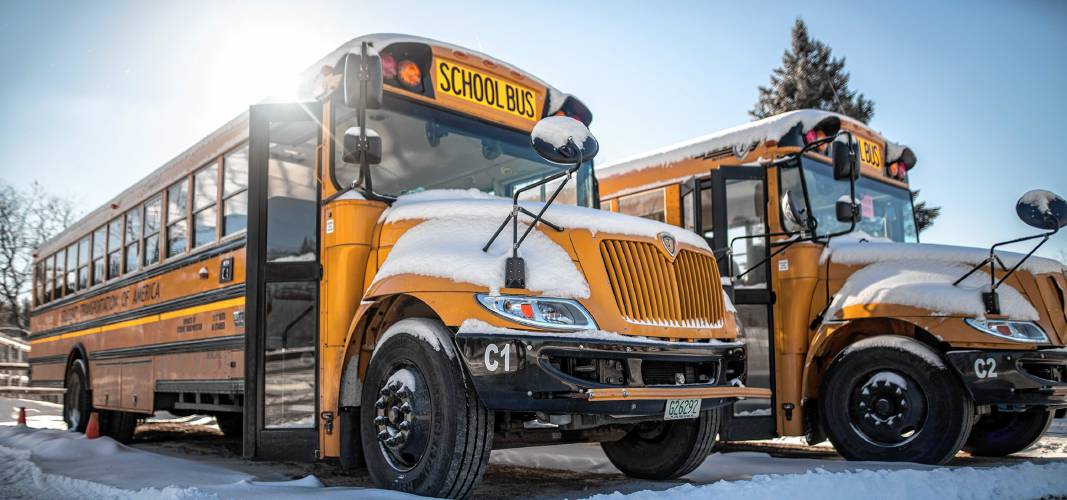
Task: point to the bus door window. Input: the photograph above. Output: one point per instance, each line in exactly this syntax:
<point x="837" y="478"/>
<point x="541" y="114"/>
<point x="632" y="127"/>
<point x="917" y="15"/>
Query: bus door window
<point x="289" y="356"/>
<point x="746" y="213"/>
<point x="292" y="213"/>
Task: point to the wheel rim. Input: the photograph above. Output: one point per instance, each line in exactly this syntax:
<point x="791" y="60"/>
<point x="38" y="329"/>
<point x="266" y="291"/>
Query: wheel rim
<point x="887" y="409"/>
<point x="403" y="417"/>
<point x="71" y="400"/>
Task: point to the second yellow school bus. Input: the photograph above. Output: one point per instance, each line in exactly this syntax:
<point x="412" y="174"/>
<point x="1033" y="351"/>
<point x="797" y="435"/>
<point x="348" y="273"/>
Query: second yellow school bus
<point x="896" y="350"/>
<point x="323" y="277"/>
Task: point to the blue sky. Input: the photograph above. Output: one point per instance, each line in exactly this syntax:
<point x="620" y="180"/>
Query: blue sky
<point x="95" y="95"/>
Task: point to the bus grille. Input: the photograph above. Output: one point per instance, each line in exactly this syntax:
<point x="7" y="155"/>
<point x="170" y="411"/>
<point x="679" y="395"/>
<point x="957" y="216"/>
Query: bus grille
<point x="650" y="289"/>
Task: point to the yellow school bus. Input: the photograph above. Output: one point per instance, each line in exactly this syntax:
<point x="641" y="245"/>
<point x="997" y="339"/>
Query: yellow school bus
<point x="378" y="273"/>
<point x="894" y="350"/>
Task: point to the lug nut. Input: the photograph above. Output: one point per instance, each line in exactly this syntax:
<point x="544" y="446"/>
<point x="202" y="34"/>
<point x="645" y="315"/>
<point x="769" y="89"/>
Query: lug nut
<point x="386" y="391"/>
<point x="405" y="425"/>
<point x="380" y="420"/>
<point x="380" y="404"/>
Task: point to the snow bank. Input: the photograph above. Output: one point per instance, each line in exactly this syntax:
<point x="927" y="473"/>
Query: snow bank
<point x="457" y="223"/>
<point x="740" y="138"/>
<point x="59" y="464"/>
<point x="1021" y="481"/>
<point x="850" y="250"/>
<point x="927" y="284"/>
<point x="478" y="326"/>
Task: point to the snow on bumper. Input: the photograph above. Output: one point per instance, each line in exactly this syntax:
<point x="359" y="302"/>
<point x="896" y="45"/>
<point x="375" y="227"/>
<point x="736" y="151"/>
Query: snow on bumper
<point x="572" y="374"/>
<point x="1032" y="378"/>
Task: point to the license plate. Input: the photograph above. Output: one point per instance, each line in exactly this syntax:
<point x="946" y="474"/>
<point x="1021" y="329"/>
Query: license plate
<point x="491" y="91"/>
<point x="678" y="409"/>
<point x="870" y="154"/>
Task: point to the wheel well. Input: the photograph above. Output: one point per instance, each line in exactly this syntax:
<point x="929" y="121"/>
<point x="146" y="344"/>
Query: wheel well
<point x="375" y="321"/>
<point x="854" y="332"/>
<point x="78" y="352"/>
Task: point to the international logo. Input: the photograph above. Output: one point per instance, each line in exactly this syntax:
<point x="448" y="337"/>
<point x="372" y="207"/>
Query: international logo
<point x="670" y="245"/>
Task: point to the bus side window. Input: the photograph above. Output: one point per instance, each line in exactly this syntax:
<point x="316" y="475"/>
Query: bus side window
<point x="83" y="263"/>
<point x="99" y="250"/>
<point x="205" y="195"/>
<point x="235" y="192"/>
<point x="133" y="239"/>
<point x="649" y="205"/>
<point x="49" y="277"/>
<point x="114" y="248"/>
<point x="153" y="214"/>
<point x="177" y="218"/>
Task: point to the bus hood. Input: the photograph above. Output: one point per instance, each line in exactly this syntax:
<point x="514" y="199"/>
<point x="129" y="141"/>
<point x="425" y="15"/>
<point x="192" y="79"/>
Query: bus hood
<point x="441" y="233"/>
<point x="920" y="279"/>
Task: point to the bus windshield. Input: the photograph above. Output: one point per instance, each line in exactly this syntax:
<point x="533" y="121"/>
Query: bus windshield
<point x="885" y="210"/>
<point x="428" y="148"/>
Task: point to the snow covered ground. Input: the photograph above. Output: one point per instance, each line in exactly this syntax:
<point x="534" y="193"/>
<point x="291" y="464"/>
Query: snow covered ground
<point x="44" y="462"/>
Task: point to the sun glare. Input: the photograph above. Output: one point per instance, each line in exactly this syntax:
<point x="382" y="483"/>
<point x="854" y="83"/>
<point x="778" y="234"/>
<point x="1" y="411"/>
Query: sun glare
<point x="262" y="59"/>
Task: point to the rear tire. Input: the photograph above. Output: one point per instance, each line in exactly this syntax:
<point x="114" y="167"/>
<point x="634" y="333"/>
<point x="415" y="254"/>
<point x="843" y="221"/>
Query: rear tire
<point x="1000" y="434"/>
<point x="231" y="424"/>
<point x="423" y="428"/>
<point x="77" y="404"/>
<point x="118" y="425"/>
<point x="891" y="398"/>
<point x="664" y="449"/>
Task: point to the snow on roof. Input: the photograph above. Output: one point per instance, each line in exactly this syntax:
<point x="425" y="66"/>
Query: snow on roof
<point x="740" y="138"/>
<point x="311" y="79"/>
<point x="927" y="285"/>
<point x="851" y="250"/>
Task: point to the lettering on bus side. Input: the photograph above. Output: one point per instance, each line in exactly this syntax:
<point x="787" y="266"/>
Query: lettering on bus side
<point x="487" y="90"/>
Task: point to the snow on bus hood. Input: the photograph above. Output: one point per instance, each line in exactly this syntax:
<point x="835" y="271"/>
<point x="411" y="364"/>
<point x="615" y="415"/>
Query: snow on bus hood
<point x="868" y="250"/>
<point x="927" y="285"/>
<point x="922" y="275"/>
<point x="457" y="223"/>
<point x="471" y="203"/>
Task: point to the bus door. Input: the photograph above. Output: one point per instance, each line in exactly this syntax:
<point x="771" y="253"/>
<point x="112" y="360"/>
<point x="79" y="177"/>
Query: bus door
<point x="739" y="218"/>
<point x="282" y="305"/>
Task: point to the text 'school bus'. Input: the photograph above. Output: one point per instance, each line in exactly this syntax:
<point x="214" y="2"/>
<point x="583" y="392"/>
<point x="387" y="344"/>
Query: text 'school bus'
<point x="894" y="350"/>
<point x="314" y="275"/>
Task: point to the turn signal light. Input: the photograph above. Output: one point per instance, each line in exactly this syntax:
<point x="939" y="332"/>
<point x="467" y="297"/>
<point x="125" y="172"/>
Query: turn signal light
<point x="409" y="74"/>
<point x="814" y="135"/>
<point x="897" y="170"/>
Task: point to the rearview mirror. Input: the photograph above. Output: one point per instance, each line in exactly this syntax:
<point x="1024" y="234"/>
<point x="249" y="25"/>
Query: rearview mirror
<point x="846" y="212"/>
<point x="353" y="151"/>
<point x="354" y="70"/>
<point x="1042" y="209"/>
<point x="796" y="216"/>
<point x="844" y="166"/>
<point x="564" y="140"/>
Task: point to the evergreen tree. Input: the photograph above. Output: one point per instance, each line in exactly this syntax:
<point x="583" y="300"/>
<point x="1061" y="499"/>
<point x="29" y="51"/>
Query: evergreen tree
<point x="811" y="78"/>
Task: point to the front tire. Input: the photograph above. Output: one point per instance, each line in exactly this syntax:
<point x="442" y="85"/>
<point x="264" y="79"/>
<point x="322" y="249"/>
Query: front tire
<point x="1000" y="434"/>
<point x="77" y="404"/>
<point x="423" y="428"/>
<point x="891" y="398"/>
<point x="664" y="449"/>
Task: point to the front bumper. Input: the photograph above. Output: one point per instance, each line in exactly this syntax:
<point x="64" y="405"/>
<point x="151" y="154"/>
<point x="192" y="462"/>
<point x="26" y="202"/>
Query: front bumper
<point x="557" y="373"/>
<point x="1029" y="378"/>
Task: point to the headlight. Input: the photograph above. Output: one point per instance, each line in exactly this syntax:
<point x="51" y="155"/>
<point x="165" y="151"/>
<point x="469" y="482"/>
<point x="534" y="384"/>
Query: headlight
<point x="1019" y="331"/>
<point x="556" y="314"/>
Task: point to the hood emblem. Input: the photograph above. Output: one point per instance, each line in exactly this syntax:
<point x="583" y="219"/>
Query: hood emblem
<point x="670" y="244"/>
